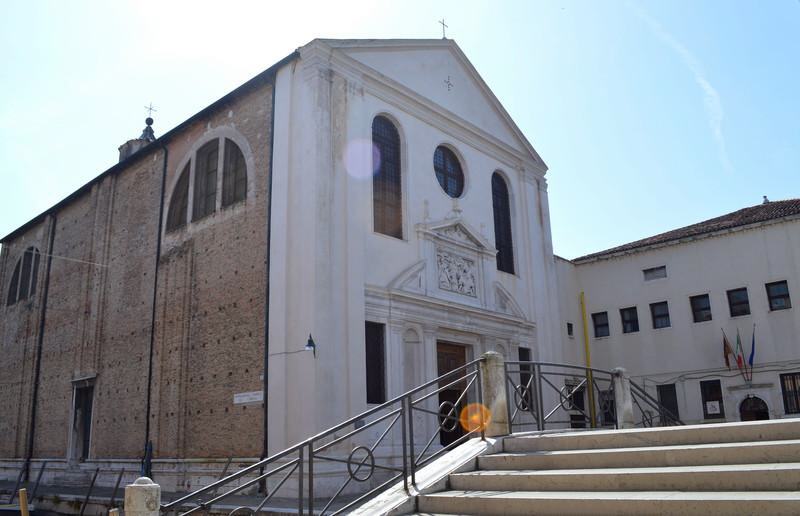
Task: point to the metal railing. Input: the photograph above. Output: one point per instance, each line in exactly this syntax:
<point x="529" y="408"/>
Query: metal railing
<point x="542" y="394"/>
<point x="360" y="457"/>
<point x="650" y="411"/>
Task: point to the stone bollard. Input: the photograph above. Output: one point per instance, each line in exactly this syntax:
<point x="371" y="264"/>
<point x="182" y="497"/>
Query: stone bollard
<point x="623" y="401"/>
<point x="493" y="386"/>
<point x="142" y="498"/>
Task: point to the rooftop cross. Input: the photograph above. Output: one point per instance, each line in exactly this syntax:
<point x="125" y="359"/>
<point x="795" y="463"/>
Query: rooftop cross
<point x="444" y="26"/>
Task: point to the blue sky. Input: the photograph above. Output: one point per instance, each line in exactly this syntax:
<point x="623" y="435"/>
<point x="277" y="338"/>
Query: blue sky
<point x="650" y="115"/>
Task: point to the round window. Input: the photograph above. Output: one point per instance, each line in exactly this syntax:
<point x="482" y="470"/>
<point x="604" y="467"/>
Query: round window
<point x="448" y="171"/>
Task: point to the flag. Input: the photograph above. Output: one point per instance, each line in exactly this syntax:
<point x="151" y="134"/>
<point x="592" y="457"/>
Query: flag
<point x="726" y="350"/>
<point x="752" y="352"/>
<point x="740" y="354"/>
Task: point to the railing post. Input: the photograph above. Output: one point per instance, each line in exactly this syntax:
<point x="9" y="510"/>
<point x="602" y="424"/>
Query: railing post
<point x="623" y="401"/>
<point x="142" y="498"/>
<point x="495" y="399"/>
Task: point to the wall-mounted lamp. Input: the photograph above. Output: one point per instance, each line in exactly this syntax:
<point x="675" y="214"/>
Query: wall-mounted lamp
<point x="310" y="346"/>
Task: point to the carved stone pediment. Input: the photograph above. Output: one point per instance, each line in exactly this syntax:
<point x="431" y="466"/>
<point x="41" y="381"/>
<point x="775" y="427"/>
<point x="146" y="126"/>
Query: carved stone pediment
<point x="456" y="232"/>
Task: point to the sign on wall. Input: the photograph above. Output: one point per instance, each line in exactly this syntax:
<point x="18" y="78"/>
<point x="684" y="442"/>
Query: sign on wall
<point x="247" y="398"/>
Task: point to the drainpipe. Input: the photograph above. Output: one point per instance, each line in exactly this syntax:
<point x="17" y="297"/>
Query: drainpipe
<point x="39" y="342"/>
<point x="265" y="386"/>
<point x="147" y="456"/>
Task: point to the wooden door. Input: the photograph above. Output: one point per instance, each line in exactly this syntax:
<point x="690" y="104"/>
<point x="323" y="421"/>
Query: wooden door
<point x="450" y="357"/>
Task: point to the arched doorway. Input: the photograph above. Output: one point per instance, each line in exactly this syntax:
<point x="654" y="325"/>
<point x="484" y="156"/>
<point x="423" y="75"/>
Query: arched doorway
<point x="753" y="408"/>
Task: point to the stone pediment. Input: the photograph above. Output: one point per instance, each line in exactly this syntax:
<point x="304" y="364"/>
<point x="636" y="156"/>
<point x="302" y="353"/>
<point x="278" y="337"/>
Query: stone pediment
<point x="456" y="232"/>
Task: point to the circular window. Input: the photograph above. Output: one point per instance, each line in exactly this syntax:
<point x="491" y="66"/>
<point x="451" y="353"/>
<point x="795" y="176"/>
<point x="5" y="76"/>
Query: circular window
<point x="448" y="171"/>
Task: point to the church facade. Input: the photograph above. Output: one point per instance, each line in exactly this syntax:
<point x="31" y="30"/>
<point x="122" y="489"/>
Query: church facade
<point x="371" y="197"/>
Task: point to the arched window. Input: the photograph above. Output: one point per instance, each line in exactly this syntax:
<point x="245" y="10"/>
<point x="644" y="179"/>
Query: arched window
<point x="23" y="280"/>
<point x="205" y="180"/>
<point x="502" y="224"/>
<point x="234" y="180"/>
<point x="448" y="171"/>
<point x="199" y="182"/>
<point x="387" y="192"/>
<point x="179" y="203"/>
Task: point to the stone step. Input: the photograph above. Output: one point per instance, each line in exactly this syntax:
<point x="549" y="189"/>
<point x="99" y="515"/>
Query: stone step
<point x="650" y="456"/>
<point x="738" y="477"/>
<point x="773" y="430"/>
<point x="762" y="503"/>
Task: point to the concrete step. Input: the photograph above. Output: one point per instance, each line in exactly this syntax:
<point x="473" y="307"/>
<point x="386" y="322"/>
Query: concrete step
<point x="773" y="430"/>
<point x="649" y="456"/>
<point x="761" y="503"/>
<point x="738" y="477"/>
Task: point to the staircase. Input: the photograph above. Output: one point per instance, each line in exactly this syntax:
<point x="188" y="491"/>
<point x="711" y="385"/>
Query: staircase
<point x="733" y="468"/>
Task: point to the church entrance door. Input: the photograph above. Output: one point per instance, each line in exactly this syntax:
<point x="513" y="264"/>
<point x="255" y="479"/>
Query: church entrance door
<point x="753" y="408"/>
<point x="449" y="357"/>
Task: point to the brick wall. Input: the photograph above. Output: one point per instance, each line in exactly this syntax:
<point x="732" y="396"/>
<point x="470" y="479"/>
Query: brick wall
<point x="209" y="311"/>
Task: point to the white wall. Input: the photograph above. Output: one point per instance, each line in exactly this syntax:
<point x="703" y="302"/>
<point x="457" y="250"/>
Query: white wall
<point x="687" y="352"/>
<point x="330" y="271"/>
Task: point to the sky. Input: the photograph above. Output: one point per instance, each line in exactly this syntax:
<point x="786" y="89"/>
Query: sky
<point x="650" y="115"/>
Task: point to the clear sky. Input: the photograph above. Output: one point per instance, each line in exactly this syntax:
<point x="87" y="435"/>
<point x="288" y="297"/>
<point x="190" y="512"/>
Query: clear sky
<point x="650" y="115"/>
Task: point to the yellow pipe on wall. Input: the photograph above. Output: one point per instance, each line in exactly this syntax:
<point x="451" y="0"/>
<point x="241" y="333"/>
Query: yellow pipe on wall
<point x="588" y="358"/>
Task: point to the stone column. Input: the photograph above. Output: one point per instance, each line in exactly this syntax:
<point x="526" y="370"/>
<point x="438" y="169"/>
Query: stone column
<point x="623" y="402"/>
<point x="142" y="498"/>
<point x="493" y="385"/>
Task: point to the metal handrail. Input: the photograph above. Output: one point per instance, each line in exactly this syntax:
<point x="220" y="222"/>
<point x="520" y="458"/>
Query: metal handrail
<point x="397" y="414"/>
<point x="671" y="419"/>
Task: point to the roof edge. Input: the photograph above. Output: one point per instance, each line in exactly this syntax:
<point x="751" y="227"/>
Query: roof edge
<point x="155" y="145"/>
<point x="602" y="255"/>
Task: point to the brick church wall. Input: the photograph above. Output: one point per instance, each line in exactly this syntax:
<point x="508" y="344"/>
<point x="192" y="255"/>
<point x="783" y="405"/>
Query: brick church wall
<point x="209" y="311"/>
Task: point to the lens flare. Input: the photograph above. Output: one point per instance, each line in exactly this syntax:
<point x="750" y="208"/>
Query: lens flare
<point x="474" y="417"/>
<point x="362" y="159"/>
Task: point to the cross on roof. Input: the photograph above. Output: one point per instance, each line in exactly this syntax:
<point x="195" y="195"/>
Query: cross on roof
<point x="444" y="26"/>
<point x="150" y="109"/>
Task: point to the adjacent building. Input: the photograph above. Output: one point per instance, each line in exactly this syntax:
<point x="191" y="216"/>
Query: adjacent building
<point x="660" y="307"/>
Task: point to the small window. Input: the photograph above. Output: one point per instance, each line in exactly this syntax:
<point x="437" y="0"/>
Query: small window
<point x="630" y="319"/>
<point x="205" y="180"/>
<point x="655" y="273"/>
<point x="569" y="329"/>
<point x="660" y="314"/>
<point x="448" y="171"/>
<point x="701" y="308"/>
<point x="179" y="204"/>
<point x="778" y="295"/>
<point x="600" y="321"/>
<point x="501" y="206"/>
<point x="738" y="302"/>
<point x="711" y="393"/>
<point x="668" y="398"/>
<point x="790" y="385"/>
<point x="24" y="277"/>
<point x="234" y="179"/>
<point x="376" y="369"/>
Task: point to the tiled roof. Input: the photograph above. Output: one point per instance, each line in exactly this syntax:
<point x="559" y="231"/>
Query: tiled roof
<point x="752" y="215"/>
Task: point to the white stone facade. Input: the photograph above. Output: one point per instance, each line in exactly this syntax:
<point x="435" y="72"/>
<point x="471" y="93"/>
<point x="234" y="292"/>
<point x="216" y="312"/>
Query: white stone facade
<point x="688" y="352"/>
<point x="331" y="271"/>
